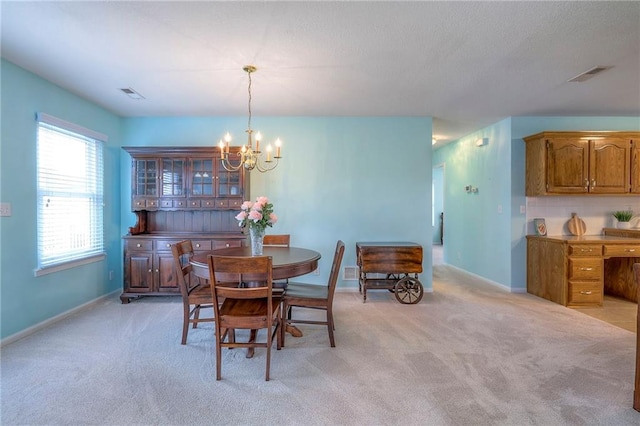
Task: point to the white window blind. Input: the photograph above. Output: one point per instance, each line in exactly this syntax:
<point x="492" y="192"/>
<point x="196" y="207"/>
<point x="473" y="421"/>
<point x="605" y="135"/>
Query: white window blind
<point x="70" y="194"/>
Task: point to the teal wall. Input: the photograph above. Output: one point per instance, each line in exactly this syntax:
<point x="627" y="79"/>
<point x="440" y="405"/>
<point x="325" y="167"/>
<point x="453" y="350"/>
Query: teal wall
<point x="26" y="300"/>
<point x="478" y="238"/>
<point x="477" y="225"/>
<point x="349" y="178"/>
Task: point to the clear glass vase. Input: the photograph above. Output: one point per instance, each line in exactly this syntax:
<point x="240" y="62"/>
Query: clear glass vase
<point x="256" y="235"/>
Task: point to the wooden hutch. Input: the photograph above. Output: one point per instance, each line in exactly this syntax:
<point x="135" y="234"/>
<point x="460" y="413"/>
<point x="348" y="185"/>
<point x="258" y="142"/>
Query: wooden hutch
<point x="177" y="193"/>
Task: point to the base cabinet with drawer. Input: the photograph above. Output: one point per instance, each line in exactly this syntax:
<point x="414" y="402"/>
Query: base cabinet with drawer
<point x="148" y="263"/>
<point x="578" y="271"/>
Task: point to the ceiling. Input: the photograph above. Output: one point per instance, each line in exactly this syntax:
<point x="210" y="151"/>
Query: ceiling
<point x="466" y="64"/>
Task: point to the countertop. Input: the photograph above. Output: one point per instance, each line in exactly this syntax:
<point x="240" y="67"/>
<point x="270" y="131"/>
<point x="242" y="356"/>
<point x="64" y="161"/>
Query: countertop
<point x="586" y="239"/>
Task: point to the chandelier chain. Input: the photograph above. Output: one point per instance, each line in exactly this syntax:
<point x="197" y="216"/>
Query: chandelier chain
<point x="249" y="90"/>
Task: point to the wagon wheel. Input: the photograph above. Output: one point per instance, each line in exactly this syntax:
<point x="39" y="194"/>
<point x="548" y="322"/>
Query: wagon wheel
<point x="409" y="290"/>
<point x="394" y="277"/>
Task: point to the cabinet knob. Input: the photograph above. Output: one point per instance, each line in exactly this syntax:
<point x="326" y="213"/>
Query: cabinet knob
<point x="157" y="270"/>
<point x="227" y="244"/>
<point x="587" y="292"/>
<point x="150" y="270"/>
<point x="197" y="245"/>
<point x="168" y="245"/>
<point x="138" y="245"/>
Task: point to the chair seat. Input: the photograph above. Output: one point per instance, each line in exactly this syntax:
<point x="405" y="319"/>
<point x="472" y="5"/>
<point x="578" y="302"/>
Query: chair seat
<point x="200" y="294"/>
<point x="306" y="291"/>
<point x="247" y="307"/>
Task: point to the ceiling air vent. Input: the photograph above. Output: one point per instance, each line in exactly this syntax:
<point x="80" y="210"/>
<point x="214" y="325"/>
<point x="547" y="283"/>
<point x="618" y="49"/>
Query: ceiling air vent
<point x="132" y="93"/>
<point x="588" y="74"/>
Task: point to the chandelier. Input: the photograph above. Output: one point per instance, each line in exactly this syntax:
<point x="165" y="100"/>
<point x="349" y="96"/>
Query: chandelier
<point x="249" y="155"/>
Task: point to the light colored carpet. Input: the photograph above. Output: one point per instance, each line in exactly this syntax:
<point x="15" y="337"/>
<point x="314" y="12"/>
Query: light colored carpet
<point x="468" y="354"/>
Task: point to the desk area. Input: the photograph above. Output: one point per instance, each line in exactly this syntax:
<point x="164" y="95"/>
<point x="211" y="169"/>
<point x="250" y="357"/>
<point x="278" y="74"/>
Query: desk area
<point x="579" y="270"/>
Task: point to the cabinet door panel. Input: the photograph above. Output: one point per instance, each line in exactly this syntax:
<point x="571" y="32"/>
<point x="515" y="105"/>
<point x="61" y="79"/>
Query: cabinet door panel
<point x="202" y="177"/>
<point x="172" y="178"/>
<point x="568" y="165"/>
<point x="138" y="272"/>
<point x="609" y="166"/>
<point x="166" y="273"/>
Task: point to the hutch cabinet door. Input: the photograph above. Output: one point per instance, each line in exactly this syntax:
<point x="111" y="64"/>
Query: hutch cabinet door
<point x="229" y="183"/>
<point x="173" y="177"/>
<point x="138" y="272"/>
<point x="568" y="165"/>
<point x="166" y="273"/>
<point x="609" y="165"/>
<point x="201" y="177"/>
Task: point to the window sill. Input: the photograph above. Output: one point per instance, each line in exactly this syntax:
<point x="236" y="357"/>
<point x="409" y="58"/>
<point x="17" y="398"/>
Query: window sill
<point x="68" y="265"/>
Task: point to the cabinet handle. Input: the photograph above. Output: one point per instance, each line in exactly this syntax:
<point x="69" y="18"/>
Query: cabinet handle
<point x="586" y="269"/>
<point x="587" y="292"/>
<point x="586" y="250"/>
<point x="586" y="184"/>
<point x="630" y="250"/>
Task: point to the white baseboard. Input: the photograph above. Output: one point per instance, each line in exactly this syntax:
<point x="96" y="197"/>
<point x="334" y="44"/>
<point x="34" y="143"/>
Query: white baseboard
<point x="46" y="323"/>
<point x="488" y="281"/>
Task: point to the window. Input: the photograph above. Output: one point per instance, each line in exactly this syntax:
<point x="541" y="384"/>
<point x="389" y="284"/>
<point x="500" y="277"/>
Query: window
<point x="70" y="195"/>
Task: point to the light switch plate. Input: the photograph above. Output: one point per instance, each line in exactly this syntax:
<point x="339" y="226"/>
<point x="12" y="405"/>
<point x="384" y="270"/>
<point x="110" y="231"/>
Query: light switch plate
<point x="5" y="209"/>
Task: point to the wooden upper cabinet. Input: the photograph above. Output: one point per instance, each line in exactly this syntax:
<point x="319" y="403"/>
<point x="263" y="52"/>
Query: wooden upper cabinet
<point x="610" y="165"/>
<point x="183" y="178"/>
<point x="568" y="165"/>
<point x="635" y="166"/>
<point x="582" y="163"/>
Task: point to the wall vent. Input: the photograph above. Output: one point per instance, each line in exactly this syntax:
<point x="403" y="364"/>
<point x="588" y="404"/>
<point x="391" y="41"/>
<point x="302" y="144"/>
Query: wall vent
<point x="350" y="273"/>
<point x="589" y="74"/>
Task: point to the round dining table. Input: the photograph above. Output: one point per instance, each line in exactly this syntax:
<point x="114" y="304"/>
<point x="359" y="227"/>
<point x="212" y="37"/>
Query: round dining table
<point x="288" y="262"/>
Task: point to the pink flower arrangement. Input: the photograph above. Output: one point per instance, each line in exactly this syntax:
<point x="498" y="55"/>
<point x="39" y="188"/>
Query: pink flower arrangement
<point x="258" y="214"/>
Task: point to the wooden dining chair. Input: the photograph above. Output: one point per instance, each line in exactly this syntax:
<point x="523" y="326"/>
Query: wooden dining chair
<point x="277" y="240"/>
<point x="302" y="295"/>
<point x="252" y="308"/>
<point x="196" y="293"/>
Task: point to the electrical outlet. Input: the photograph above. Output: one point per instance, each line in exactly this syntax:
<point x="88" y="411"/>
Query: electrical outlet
<point x="5" y="209"/>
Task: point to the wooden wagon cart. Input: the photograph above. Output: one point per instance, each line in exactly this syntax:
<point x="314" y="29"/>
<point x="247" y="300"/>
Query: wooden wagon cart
<point x="393" y="266"/>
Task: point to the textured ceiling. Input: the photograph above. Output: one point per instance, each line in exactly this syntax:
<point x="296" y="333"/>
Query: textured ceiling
<point x="467" y="64"/>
